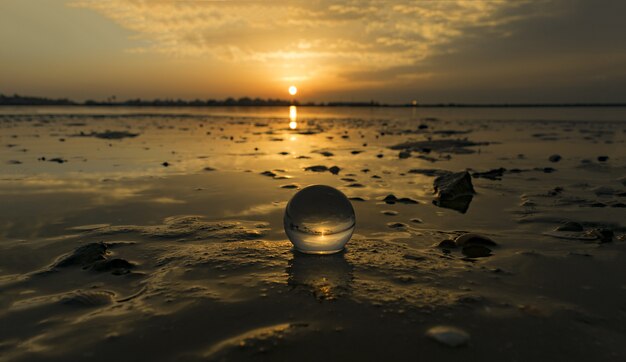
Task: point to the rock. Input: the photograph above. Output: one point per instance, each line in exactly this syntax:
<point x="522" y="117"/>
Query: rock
<point x="389" y="212"/>
<point x="390" y="199"/>
<point x="495" y="174"/>
<point x="447" y="244"/>
<point x="84" y="256"/>
<point x="115" y="266"/>
<point x="208" y="169"/>
<point x="570" y="226"/>
<point x="334" y="170"/>
<point x="554" y="158"/>
<point x="430" y="172"/>
<point x="445" y="145"/>
<point x="603" y="235"/>
<point x="417" y="220"/>
<point x="290" y="186"/>
<point x="603" y="158"/>
<point x="454" y="191"/>
<point x="473" y="239"/>
<point x="108" y="135"/>
<point x="165" y="164"/>
<point x="396" y="225"/>
<point x="326" y="153"/>
<point x="404" y="154"/>
<point x="476" y="251"/>
<point x="57" y="160"/>
<point x="268" y="174"/>
<point x="449" y="336"/>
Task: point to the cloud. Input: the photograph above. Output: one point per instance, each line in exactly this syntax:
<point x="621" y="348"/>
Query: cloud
<point x="345" y="39"/>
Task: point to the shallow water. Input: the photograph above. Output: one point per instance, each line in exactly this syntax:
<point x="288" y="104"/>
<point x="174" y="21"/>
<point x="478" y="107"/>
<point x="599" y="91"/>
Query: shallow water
<point x="195" y="264"/>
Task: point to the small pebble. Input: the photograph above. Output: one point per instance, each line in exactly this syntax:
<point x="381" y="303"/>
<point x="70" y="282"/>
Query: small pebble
<point x="449" y="336"/>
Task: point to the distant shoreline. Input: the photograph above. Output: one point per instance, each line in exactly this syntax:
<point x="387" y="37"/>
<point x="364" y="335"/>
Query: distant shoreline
<point x="17" y="100"/>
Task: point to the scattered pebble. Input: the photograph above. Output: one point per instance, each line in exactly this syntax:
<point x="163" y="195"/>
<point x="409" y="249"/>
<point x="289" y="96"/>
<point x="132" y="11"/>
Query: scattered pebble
<point x="449" y="336"/>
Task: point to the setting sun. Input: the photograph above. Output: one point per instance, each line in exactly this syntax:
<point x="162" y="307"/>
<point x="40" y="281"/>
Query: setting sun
<point x="293" y="90"/>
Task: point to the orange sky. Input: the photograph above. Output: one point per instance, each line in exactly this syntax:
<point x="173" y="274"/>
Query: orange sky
<point x="432" y="51"/>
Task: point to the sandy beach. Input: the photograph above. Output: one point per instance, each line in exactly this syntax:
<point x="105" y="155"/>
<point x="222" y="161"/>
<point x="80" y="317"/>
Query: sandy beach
<point x="157" y="234"/>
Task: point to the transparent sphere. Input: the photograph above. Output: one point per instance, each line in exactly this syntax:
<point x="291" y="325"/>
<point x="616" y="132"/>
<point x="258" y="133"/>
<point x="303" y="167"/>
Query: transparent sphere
<point x="319" y="219"/>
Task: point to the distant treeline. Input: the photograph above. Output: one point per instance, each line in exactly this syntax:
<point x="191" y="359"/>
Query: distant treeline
<point x="17" y="100"/>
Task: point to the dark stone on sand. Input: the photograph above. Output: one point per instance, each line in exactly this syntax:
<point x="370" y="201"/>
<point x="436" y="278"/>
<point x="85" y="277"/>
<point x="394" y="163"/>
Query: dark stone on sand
<point x="355" y="152"/>
<point x="495" y="174"/>
<point x="355" y="185"/>
<point x="116" y="266"/>
<point x="396" y="225"/>
<point x="603" y="235"/>
<point x="334" y="170"/>
<point x="389" y="212"/>
<point x="473" y="239"/>
<point x="84" y="256"/>
<point x="448" y="146"/>
<point x="476" y="251"/>
<point x="268" y="174"/>
<point x="57" y="160"/>
<point x="316" y="168"/>
<point x="603" y="158"/>
<point x="14" y="162"/>
<point x="545" y="169"/>
<point x="570" y="226"/>
<point x="208" y="169"/>
<point x="429" y="172"/>
<point x="392" y="199"/>
<point x="290" y="186"/>
<point x="327" y="154"/>
<point x="448" y="336"/>
<point x="165" y="164"/>
<point x="404" y="154"/>
<point x="454" y="191"/>
<point x="109" y="135"/>
<point x="554" y="158"/>
<point x="417" y="220"/>
<point x="356" y="199"/>
<point x="447" y="244"/>
<point x="284" y="153"/>
<point x="380" y="155"/>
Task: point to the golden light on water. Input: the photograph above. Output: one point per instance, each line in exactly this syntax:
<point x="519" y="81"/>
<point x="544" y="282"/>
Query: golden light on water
<point x="293" y="117"/>
<point x="293" y="90"/>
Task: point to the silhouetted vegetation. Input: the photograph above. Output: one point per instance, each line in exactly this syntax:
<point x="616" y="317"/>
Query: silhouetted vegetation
<point x="17" y="100"/>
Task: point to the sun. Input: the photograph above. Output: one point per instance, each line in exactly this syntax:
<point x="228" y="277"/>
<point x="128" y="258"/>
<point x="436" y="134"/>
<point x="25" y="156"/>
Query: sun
<point x="293" y="90"/>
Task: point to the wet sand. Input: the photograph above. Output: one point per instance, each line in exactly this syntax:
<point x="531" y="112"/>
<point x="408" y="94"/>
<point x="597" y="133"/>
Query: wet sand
<point x="156" y="234"/>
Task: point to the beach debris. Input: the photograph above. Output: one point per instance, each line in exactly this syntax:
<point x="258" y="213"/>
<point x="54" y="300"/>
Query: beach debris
<point x="554" y="158"/>
<point x="454" y="191"/>
<point x="495" y="174"/>
<point x="448" y="336"/>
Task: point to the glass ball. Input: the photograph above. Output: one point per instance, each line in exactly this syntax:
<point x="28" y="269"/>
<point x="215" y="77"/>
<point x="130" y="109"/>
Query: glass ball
<point x="319" y="219"/>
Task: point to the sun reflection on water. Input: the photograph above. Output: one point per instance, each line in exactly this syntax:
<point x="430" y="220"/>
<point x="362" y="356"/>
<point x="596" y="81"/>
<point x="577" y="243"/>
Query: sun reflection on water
<point x="293" y="117"/>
